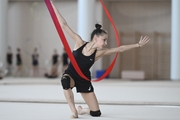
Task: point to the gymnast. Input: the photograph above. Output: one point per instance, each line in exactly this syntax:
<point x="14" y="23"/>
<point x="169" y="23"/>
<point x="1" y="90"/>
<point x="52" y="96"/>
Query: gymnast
<point x="35" y="63"/>
<point x="9" y="60"/>
<point x="86" y="53"/>
<point x="19" y="62"/>
<point x="65" y="61"/>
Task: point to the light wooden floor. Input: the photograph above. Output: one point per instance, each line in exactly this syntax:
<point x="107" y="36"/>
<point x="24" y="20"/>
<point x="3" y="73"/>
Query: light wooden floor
<point x="43" y="99"/>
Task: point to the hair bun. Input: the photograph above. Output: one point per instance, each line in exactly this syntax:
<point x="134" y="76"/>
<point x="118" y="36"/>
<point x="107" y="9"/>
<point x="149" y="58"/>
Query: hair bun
<point x="98" y="26"/>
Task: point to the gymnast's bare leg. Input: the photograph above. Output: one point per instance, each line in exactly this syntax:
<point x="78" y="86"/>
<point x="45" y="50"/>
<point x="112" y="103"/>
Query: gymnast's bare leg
<point x="70" y="97"/>
<point x="91" y="101"/>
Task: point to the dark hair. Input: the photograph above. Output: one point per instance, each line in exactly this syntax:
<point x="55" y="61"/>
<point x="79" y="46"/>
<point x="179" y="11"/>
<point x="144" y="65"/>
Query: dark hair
<point x="9" y="47"/>
<point x="35" y="48"/>
<point x="18" y="49"/>
<point x="98" y="31"/>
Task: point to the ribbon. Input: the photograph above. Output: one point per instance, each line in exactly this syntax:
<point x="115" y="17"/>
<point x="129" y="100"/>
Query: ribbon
<point x="117" y="40"/>
<point x="66" y="45"/>
<point x="63" y="39"/>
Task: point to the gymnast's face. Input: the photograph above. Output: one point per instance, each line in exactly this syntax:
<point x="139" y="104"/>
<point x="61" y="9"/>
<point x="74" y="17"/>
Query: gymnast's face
<point x="102" y="40"/>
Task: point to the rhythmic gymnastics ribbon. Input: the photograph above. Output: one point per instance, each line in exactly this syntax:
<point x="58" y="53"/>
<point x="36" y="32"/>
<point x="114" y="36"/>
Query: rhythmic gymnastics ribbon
<point x="66" y="45"/>
<point x="63" y="39"/>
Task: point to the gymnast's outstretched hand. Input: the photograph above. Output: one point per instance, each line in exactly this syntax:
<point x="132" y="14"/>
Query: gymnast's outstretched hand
<point x="143" y="41"/>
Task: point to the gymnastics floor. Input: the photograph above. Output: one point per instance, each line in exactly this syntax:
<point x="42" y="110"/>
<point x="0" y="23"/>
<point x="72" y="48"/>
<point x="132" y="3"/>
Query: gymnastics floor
<point x="43" y="99"/>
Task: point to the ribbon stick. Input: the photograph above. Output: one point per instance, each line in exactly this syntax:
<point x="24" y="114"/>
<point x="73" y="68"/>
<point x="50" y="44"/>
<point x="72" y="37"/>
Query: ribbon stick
<point x="66" y="45"/>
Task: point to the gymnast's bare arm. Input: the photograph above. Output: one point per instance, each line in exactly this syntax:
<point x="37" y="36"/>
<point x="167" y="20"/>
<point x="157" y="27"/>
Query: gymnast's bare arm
<point x="78" y="40"/>
<point x="103" y="52"/>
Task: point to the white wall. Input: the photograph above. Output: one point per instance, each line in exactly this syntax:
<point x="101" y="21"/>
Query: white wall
<point x="30" y="25"/>
<point x="3" y="31"/>
<point x="145" y="17"/>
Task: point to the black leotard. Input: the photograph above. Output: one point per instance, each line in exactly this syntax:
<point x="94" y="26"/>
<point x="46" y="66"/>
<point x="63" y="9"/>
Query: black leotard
<point x="65" y="59"/>
<point x="55" y="59"/>
<point x="84" y="63"/>
<point x="18" y="58"/>
<point x="9" y="58"/>
<point x="35" y="60"/>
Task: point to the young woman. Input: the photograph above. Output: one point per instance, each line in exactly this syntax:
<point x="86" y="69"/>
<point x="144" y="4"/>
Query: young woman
<point x="55" y="64"/>
<point x="55" y="57"/>
<point x="19" y="62"/>
<point x="65" y="61"/>
<point x="9" y="60"/>
<point x="86" y="53"/>
<point x="35" y="63"/>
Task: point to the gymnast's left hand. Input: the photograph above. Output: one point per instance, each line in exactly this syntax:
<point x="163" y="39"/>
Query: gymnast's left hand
<point x="143" y="40"/>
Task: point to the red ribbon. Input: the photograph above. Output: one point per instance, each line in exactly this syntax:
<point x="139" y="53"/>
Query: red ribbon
<point x="66" y="45"/>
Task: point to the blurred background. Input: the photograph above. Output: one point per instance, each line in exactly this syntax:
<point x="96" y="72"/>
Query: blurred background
<point x="143" y="85"/>
<point x="27" y="24"/>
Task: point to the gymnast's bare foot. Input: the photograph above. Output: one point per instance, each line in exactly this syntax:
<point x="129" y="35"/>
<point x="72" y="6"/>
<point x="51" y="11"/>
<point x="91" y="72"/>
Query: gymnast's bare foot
<point x="82" y="111"/>
<point x="79" y="110"/>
